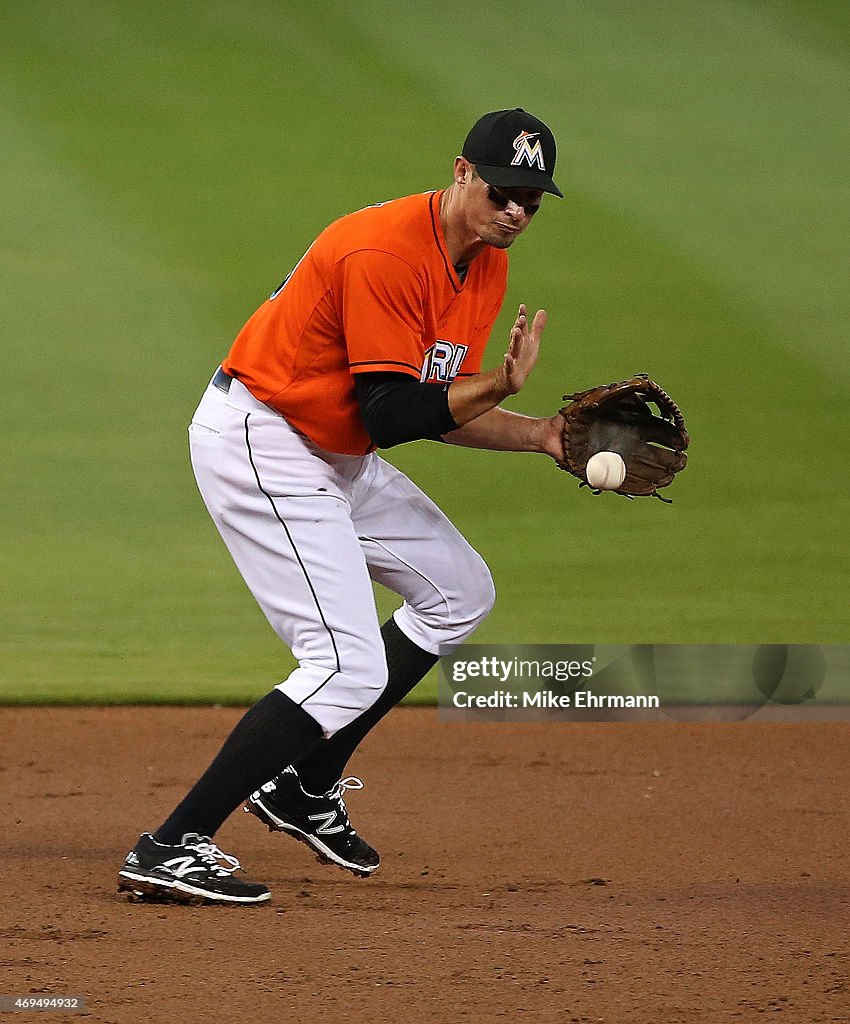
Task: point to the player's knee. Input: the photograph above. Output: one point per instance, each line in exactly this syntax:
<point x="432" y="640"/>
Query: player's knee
<point x="452" y="608"/>
<point x="363" y="682"/>
<point x="338" y="689"/>
<point x="477" y="595"/>
<point x="349" y="691"/>
<point x="378" y="677"/>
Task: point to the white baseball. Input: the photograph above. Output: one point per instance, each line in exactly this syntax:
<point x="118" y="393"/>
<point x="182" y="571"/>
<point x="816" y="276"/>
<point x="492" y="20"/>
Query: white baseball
<point x="605" y="471"/>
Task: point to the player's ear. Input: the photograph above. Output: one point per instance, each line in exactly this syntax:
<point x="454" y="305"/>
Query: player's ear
<point x="463" y="171"/>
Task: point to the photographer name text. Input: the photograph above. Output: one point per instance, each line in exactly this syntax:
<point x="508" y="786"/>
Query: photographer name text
<point x="548" y="699"/>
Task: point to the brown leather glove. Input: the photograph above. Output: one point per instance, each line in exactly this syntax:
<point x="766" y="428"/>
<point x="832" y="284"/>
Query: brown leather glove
<point x="618" y="418"/>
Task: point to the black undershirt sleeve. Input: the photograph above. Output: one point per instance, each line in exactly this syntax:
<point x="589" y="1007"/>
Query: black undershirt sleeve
<point x="396" y="408"/>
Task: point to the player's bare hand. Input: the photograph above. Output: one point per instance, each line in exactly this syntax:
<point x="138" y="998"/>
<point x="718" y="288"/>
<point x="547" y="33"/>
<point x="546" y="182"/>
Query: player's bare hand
<point x="550" y="437"/>
<point x="523" y="350"/>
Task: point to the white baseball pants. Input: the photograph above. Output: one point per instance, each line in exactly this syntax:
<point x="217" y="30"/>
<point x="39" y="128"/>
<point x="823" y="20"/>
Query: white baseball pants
<point x="307" y="530"/>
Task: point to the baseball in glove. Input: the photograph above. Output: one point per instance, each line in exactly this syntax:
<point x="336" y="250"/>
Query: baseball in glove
<point x="618" y="418"/>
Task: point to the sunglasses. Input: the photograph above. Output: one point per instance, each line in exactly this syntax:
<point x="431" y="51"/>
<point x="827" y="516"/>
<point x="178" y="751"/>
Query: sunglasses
<point x="500" y="200"/>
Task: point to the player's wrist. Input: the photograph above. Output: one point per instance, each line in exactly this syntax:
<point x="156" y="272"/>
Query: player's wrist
<point x="471" y="397"/>
<point x="547" y="436"/>
<point x="501" y="386"/>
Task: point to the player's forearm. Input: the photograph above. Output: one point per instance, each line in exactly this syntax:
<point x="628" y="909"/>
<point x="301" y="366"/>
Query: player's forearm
<point x="504" y="431"/>
<point x="471" y="397"/>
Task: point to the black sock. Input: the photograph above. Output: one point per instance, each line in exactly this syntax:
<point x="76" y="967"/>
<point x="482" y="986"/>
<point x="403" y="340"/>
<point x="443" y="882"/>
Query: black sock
<point x="266" y="739"/>
<point x="322" y="765"/>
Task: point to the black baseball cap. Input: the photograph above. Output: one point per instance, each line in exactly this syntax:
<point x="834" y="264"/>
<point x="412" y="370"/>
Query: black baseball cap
<point x="514" y="149"/>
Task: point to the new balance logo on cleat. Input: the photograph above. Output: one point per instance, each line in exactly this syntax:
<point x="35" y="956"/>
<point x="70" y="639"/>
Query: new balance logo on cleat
<point x="329" y="818"/>
<point x="320" y="822"/>
<point x="199" y="873"/>
<point x="181" y="866"/>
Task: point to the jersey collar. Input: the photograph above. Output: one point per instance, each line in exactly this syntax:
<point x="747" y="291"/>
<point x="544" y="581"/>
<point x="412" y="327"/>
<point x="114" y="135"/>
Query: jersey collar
<point x="439" y="238"/>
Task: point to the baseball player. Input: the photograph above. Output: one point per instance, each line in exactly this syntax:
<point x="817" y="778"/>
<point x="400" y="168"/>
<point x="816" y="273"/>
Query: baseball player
<point x="374" y="339"/>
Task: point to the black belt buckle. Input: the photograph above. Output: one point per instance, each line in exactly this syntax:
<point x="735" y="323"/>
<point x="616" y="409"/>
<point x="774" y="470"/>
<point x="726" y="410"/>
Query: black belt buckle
<point x="222" y="380"/>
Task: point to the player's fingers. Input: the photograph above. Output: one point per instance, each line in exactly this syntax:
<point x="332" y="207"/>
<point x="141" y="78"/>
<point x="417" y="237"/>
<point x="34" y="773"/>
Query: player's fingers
<point x="508" y="366"/>
<point x="539" y="322"/>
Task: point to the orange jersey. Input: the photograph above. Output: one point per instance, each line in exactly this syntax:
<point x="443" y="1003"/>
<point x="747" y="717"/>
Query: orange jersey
<point x="376" y="291"/>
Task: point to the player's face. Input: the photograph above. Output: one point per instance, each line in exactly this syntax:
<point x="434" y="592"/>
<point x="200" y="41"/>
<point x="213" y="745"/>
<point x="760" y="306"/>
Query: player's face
<point x="500" y="215"/>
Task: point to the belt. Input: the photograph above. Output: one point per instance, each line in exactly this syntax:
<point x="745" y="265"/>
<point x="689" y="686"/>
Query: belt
<point x="222" y="380"/>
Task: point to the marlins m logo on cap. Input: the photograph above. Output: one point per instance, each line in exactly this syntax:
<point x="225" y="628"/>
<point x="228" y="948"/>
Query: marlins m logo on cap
<point x="528" y="153"/>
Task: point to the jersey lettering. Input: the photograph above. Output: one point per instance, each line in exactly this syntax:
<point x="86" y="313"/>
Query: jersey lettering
<point x="442" y="362"/>
<point x="281" y="286"/>
<point x="284" y="282"/>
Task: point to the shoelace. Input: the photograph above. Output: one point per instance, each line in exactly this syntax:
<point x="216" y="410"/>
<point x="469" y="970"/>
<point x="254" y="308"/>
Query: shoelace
<point x="349" y="782"/>
<point x="211" y="854"/>
<point x="336" y="794"/>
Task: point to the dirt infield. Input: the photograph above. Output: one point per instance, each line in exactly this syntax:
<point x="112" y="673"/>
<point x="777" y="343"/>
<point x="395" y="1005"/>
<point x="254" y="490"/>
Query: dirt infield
<point x="649" y="874"/>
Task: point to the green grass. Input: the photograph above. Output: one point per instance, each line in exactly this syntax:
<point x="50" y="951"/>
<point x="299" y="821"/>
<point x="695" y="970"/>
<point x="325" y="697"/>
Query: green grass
<point x="164" y="166"/>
